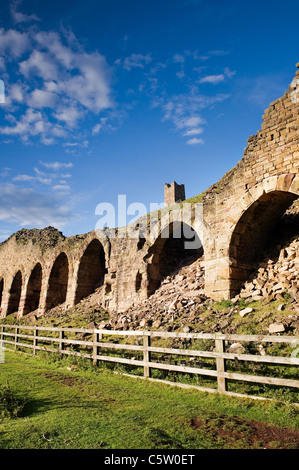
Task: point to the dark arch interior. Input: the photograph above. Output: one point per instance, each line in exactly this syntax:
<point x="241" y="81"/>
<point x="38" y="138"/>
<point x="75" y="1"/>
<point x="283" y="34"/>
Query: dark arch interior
<point x="178" y="245"/>
<point x="91" y="271"/>
<point x="58" y="282"/>
<point x="259" y="227"/>
<point x="15" y="294"/>
<point x="33" y="290"/>
<point x="138" y="281"/>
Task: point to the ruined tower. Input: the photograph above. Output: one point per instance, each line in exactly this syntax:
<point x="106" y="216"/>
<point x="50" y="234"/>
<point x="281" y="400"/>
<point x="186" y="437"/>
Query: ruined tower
<point x="173" y="193"/>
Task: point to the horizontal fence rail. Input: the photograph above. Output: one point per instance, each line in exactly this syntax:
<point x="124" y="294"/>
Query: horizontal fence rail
<point x="58" y="340"/>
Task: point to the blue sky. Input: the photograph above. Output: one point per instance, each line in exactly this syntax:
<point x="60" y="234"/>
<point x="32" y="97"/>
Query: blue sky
<point x="109" y="97"/>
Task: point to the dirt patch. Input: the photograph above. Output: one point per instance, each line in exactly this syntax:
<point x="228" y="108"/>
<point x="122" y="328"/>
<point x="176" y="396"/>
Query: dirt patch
<point x="236" y="432"/>
<point x="63" y="379"/>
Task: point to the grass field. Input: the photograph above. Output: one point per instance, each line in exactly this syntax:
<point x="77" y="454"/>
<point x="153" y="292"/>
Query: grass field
<point x="46" y="406"/>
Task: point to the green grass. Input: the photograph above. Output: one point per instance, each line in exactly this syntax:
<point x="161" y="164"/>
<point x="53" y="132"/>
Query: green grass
<point x="93" y="408"/>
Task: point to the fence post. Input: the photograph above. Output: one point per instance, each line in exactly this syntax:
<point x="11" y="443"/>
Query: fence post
<point x="35" y="340"/>
<point x="95" y="348"/>
<point x="146" y="354"/>
<point x="61" y="343"/>
<point x="220" y="365"/>
<point x="16" y="337"/>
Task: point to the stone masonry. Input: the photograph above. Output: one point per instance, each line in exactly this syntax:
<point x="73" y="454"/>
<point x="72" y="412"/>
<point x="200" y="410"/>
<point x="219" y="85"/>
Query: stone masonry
<point x="40" y="269"/>
<point x="173" y="193"/>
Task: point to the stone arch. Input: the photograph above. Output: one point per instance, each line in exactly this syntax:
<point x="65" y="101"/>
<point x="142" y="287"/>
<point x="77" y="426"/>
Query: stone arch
<point x="33" y="290"/>
<point x="178" y="244"/>
<point x="253" y="232"/>
<point x="58" y="282"/>
<point x="15" y="293"/>
<point x="91" y="271"/>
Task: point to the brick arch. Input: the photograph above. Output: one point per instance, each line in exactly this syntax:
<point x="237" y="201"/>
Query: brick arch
<point x="176" y="244"/>
<point x="91" y="270"/>
<point x="255" y="226"/>
<point x="33" y="291"/>
<point x="14" y="294"/>
<point x="58" y="282"/>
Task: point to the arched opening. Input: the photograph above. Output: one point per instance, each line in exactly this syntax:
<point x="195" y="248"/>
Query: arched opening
<point x="1" y="291"/>
<point x="178" y="245"/>
<point x="58" y="282"/>
<point x="15" y="294"/>
<point x="261" y="226"/>
<point x="33" y="290"/>
<point x="91" y="271"/>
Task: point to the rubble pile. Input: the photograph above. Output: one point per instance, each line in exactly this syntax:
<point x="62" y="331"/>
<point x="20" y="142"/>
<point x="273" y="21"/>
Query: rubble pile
<point x="276" y="278"/>
<point x="179" y="294"/>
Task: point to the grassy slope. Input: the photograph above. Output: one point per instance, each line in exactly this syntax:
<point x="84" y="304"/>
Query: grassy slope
<point x="85" y="409"/>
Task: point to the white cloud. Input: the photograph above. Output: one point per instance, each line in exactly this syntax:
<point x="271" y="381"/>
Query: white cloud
<point x="56" y="165"/>
<point x="41" y="99"/>
<point x="27" y="207"/>
<point x="215" y="79"/>
<point x="178" y="58"/>
<point x="19" y="17"/>
<point x="40" y="64"/>
<point x="15" y="93"/>
<point x="185" y="111"/>
<point x="23" y="178"/>
<point x="60" y="81"/>
<point x="61" y="187"/>
<point x="13" y="43"/>
<point x="194" y="131"/>
<point x="32" y="124"/>
<point x="137" y="60"/>
<point x="69" y="114"/>
<point x="52" y="42"/>
<point x="195" y="141"/>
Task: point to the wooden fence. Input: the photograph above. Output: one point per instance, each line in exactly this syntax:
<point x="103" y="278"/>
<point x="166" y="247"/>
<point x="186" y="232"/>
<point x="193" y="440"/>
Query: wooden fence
<point x="33" y="337"/>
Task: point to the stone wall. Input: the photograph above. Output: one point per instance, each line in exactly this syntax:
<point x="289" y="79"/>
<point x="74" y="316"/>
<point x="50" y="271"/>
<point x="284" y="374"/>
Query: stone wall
<point x="247" y="202"/>
<point x="238" y="214"/>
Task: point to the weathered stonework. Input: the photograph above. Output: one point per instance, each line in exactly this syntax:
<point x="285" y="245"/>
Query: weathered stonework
<point x="40" y="269"/>
<point x="173" y="193"/>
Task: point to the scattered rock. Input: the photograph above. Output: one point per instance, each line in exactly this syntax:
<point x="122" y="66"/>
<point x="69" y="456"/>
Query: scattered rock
<point x="276" y="328"/>
<point x="236" y="348"/>
<point x="245" y="311"/>
<point x="73" y="368"/>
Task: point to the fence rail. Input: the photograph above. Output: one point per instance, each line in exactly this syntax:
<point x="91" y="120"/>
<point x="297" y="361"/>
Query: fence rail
<point x="36" y="340"/>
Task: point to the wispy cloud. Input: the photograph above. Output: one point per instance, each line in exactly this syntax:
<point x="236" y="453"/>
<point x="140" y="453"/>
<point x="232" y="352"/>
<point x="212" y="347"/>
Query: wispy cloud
<point x="13" y="43"/>
<point x="28" y="207"/>
<point x="185" y="112"/>
<point x="137" y="61"/>
<point x="52" y="177"/>
<point x="218" y="78"/>
<point x="56" y="165"/>
<point x="195" y="141"/>
<point x="19" y="17"/>
<point x="56" y="86"/>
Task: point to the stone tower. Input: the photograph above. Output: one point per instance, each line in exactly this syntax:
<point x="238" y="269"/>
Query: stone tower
<point x="173" y="193"/>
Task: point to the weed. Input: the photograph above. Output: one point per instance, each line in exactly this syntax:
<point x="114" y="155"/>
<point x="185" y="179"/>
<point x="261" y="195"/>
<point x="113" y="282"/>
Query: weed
<point x="11" y="405"/>
<point x="224" y="303"/>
